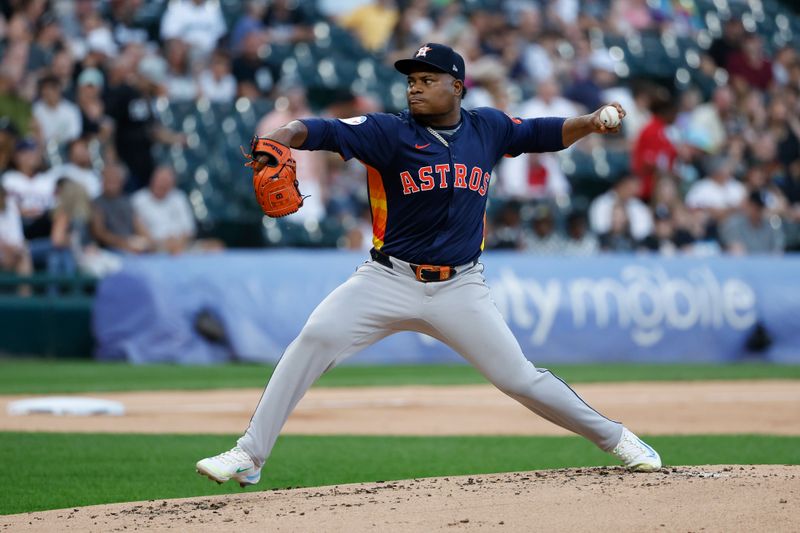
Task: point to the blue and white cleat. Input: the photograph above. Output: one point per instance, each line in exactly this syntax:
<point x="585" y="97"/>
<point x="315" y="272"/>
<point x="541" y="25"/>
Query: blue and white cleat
<point x="637" y="455"/>
<point x="233" y="464"/>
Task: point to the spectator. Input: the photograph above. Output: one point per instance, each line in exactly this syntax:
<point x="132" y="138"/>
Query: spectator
<point x="48" y="42"/>
<point x="618" y="238"/>
<point x="790" y="186"/>
<point x="756" y="178"/>
<point x="100" y="45"/>
<point x="719" y="194"/>
<point x="543" y="239"/>
<point x="167" y="216"/>
<point x="750" y="67"/>
<point x="12" y="105"/>
<point x="505" y="232"/>
<point x="8" y="143"/>
<point x="580" y="241"/>
<point x="666" y="196"/>
<point x="179" y="80"/>
<point x="590" y="92"/>
<point x="784" y="59"/>
<point x="548" y="102"/>
<point x="79" y="168"/>
<point x="136" y="129"/>
<point x="15" y="55"/>
<point x="114" y="224"/>
<point x="253" y="75"/>
<point x="14" y="256"/>
<point x="287" y="23"/>
<point x="533" y="176"/>
<point x="785" y="126"/>
<point x="752" y="231"/>
<point x="122" y="15"/>
<point x="197" y="22"/>
<point x="63" y="68"/>
<point x="415" y="26"/>
<point x="637" y="216"/>
<point x="631" y="16"/>
<point x="711" y="119"/>
<point x="372" y="23"/>
<point x="536" y="61"/>
<point x="73" y="16"/>
<point x="72" y="233"/>
<point x="59" y="120"/>
<point x="32" y="188"/>
<point x="216" y="82"/>
<point x="667" y="238"/>
<point x="250" y="21"/>
<point x="488" y="84"/>
<point x="654" y="153"/>
<point x="60" y="258"/>
<point x="95" y="122"/>
<point x="728" y="43"/>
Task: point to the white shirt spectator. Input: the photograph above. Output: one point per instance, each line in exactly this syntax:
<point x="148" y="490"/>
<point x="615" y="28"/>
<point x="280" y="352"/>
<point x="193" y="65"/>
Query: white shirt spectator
<point x="34" y="193"/>
<point x="11" y="225"/>
<point x="61" y="123"/>
<point x="558" y="106"/>
<point x="537" y="62"/>
<point x="567" y="11"/>
<point x="165" y="218"/>
<point x="711" y="194"/>
<point x="199" y="24"/>
<point x="221" y="90"/>
<point x="86" y="177"/>
<point x="639" y="216"/>
<point x="181" y="88"/>
<point x="515" y="178"/>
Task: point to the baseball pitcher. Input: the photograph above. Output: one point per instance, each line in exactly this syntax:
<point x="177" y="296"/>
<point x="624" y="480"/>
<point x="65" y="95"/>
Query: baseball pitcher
<point x="428" y="173"/>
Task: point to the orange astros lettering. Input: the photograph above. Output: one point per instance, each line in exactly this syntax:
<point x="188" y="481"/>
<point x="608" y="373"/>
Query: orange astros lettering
<point x="476" y="180"/>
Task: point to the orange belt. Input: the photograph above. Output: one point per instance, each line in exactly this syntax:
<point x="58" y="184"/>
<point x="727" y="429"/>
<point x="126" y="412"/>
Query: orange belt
<point x="424" y="273"/>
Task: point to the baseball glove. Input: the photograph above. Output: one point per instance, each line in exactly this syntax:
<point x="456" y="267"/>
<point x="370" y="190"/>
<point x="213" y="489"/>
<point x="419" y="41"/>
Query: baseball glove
<point x="274" y="177"/>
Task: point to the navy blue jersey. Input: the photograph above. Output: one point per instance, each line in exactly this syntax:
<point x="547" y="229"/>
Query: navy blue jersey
<point x="428" y="200"/>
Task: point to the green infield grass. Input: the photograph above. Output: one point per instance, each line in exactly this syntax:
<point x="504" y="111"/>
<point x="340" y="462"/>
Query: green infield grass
<point x="60" y="470"/>
<point x="44" y="377"/>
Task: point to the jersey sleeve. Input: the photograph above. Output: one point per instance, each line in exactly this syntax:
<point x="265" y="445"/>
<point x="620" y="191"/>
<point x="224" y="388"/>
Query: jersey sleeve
<point x="531" y="135"/>
<point x="370" y="138"/>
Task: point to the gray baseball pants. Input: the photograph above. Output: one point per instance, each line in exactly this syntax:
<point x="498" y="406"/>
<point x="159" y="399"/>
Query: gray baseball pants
<point x="377" y="301"/>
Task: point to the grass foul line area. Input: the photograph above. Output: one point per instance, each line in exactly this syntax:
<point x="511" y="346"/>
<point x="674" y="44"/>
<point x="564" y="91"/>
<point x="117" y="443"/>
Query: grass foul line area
<point x="46" y="377"/>
<point x="59" y="470"/>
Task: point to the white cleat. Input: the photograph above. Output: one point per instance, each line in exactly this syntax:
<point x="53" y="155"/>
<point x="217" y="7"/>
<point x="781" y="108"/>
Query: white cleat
<point x="233" y="464"/>
<point x="636" y="454"/>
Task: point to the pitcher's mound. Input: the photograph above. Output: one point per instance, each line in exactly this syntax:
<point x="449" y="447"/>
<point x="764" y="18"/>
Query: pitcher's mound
<point x="707" y="498"/>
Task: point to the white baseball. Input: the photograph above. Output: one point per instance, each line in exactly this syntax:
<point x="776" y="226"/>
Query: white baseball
<point x="609" y="116"/>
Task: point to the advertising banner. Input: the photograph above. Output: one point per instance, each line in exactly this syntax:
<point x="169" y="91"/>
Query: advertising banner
<point x="250" y="305"/>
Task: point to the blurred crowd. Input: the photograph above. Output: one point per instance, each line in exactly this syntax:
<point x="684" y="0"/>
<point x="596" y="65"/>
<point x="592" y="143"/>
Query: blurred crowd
<point x="710" y="159"/>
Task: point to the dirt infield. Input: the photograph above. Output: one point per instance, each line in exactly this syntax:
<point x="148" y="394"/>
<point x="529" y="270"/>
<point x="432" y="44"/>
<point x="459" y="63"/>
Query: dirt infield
<point x="714" y="407"/>
<point x="712" y="498"/>
<point x="708" y="498"/>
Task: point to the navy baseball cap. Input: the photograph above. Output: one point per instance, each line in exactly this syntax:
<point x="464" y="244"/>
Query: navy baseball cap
<point x="442" y="58"/>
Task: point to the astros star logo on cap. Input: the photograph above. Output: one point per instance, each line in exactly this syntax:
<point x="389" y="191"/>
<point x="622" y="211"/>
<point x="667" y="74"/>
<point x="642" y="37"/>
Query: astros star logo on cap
<point x="423" y="52"/>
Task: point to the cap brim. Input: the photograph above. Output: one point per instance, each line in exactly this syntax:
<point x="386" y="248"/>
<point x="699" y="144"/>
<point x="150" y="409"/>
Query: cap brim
<point x="407" y="66"/>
